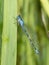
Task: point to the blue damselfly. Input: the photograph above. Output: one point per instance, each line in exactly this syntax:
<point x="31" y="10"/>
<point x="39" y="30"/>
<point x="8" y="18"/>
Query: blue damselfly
<point x="21" y="22"/>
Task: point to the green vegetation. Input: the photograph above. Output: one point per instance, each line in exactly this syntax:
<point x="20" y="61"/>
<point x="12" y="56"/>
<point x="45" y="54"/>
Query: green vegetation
<point x="15" y="48"/>
<point x="9" y="34"/>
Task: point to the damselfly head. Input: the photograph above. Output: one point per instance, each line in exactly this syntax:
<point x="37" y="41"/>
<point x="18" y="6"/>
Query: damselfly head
<point x="19" y="17"/>
<point x="20" y="21"/>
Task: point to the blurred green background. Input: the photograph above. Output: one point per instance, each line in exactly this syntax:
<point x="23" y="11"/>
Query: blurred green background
<point x="1" y="24"/>
<point x="36" y="20"/>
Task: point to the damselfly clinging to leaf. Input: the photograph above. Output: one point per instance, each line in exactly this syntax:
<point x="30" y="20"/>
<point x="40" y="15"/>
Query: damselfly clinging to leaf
<point x="21" y="22"/>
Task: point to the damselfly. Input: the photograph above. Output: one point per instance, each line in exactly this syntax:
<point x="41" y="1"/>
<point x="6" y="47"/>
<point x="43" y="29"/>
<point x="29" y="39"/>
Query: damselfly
<point x="21" y="22"/>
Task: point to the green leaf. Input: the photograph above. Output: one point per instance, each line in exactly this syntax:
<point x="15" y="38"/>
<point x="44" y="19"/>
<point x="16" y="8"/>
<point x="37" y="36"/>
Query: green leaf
<point x="9" y="35"/>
